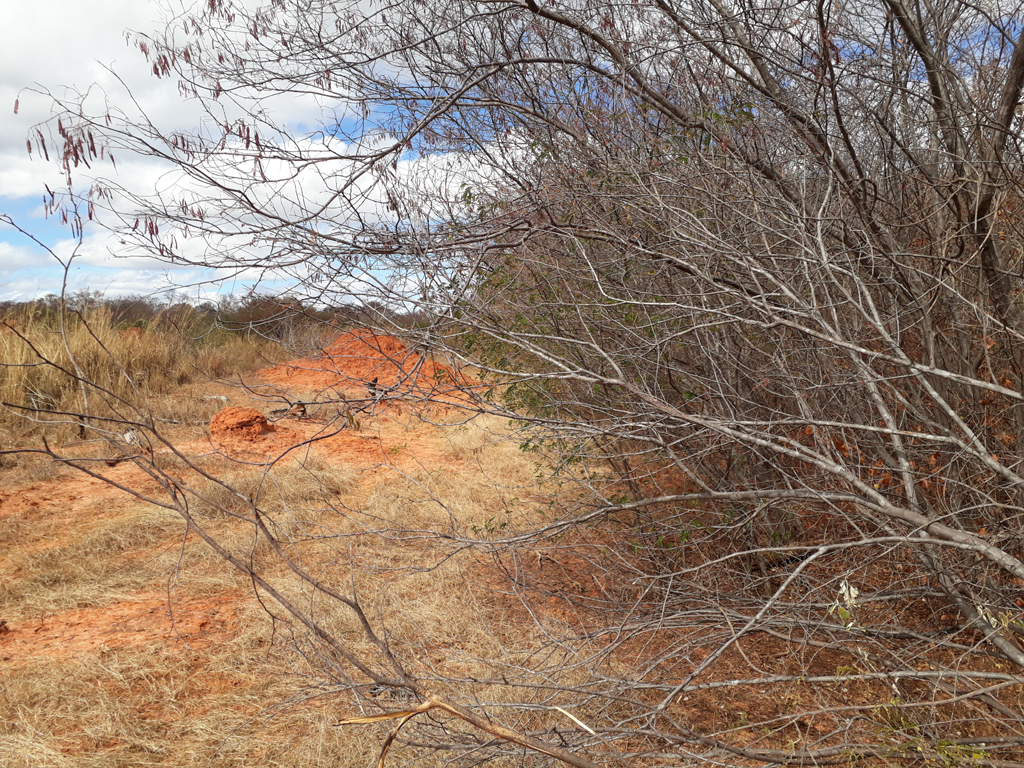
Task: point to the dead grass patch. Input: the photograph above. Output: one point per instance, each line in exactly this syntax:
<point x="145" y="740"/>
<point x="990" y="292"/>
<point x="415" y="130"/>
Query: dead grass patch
<point x="38" y="363"/>
<point x="140" y="706"/>
<point x="92" y="568"/>
<point x="23" y="468"/>
<point x="225" y="685"/>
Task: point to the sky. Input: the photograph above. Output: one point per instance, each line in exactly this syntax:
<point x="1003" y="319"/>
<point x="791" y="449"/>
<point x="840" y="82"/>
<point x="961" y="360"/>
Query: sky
<point x="52" y="45"/>
<point x="64" y="47"/>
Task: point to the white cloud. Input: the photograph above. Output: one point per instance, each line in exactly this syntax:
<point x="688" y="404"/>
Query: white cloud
<point x="50" y="44"/>
<point x="27" y="271"/>
<point x="53" y="44"/>
<point x="63" y="46"/>
<point x="13" y="258"/>
<point x="56" y="43"/>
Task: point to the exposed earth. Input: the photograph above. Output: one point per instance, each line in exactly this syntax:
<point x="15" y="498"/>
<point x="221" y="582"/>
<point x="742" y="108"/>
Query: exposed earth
<point x="95" y="578"/>
<point x="62" y="511"/>
<point x="125" y="641"/>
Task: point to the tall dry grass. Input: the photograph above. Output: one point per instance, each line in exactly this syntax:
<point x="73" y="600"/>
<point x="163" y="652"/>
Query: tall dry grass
<point x="45" y="358"/>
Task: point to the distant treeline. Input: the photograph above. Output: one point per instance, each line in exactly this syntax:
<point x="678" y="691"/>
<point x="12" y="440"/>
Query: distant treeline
<point x="271" y="316"/>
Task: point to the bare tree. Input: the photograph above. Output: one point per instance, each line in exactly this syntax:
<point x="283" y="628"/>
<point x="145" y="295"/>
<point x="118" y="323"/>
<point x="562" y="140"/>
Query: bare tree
<point x="761" y="260"/>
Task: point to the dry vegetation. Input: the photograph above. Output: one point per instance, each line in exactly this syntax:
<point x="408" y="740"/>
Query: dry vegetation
<point x="132" y="643"/>
<point x="129" y="643"/>
<point x="753" y="272"/>
<point x="131" y="364"/>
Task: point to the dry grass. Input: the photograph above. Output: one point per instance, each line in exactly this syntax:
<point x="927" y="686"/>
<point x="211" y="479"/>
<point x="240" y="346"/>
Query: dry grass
<point x="59" y="570"/>
<point x="97" y="675"/>
<point x="243" y="699"/>
<point x="39" y="358"/>
<point x="229" y="686"/>
<point x="163" y="702"/>
<point x="17" y="469"/>
<point x="142" y="706"/>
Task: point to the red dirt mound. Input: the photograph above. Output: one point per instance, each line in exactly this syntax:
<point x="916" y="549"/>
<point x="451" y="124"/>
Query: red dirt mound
<point x="358" y="357"/>
<point x="246" y="423"/>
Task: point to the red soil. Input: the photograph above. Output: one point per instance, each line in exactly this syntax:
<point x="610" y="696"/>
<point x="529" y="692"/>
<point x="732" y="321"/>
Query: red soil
<point x="371" y="377"/>
<point x="246" y="432"/>
<point x="150" y="620"/>
<point x="244" y="423"/>
<point x="359" y="357"/>
<point x="62" y="511"/>
<point x="75" y="505"/>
